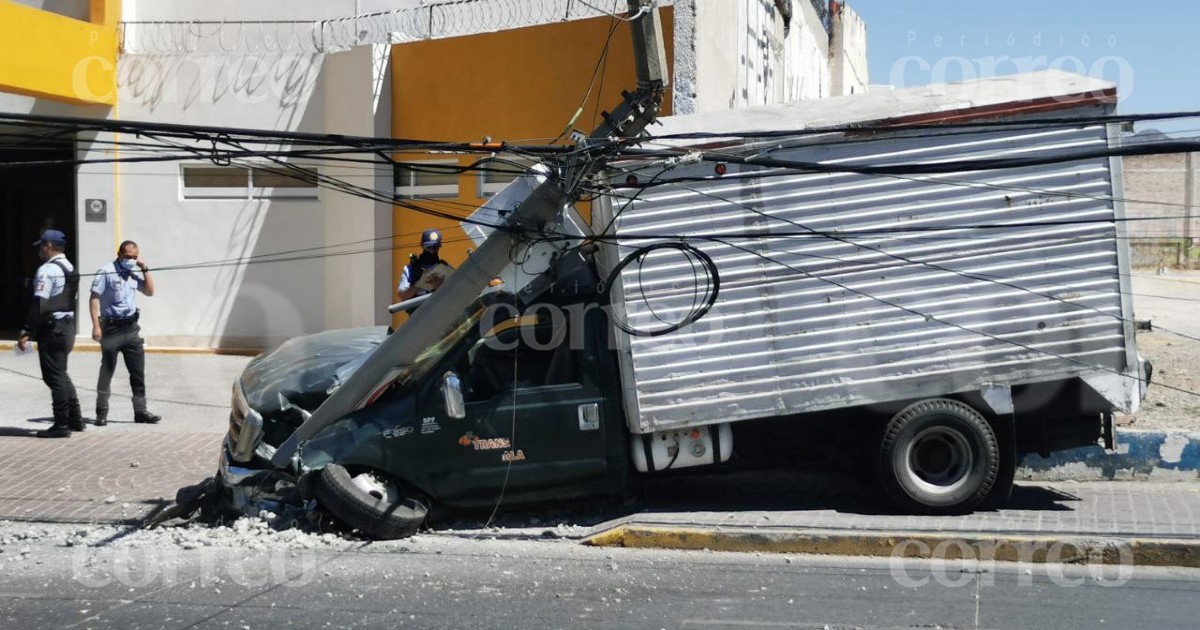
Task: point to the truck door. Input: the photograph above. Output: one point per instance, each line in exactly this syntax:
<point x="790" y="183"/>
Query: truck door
<point x="534" y="421"/>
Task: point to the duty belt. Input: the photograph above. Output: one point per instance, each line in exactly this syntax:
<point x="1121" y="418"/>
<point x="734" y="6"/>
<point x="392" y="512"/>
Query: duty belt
<point x="119" y="321"/>
<point x="50" y="318"/>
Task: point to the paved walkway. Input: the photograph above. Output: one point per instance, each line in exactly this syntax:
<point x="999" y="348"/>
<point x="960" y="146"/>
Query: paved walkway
<point x="122" y="472"/>
<point x="1110" y="508"/>
<point x="100" y="477"/>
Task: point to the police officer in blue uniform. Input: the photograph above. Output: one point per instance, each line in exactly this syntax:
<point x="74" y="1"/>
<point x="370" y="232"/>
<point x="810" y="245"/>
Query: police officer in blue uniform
<point x="431" y="244"/>
<point x="115" y="325"/>
<point x="51" y="321"/>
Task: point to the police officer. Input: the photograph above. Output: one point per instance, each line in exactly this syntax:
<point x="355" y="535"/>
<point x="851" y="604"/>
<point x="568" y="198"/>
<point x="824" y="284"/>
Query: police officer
<point x="115" y="325"/>
<point x="51" y="321"/>
<point x="431" y="244"/>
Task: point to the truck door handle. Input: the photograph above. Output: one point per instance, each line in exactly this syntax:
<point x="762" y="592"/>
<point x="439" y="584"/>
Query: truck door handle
<point x="589" y="417"/>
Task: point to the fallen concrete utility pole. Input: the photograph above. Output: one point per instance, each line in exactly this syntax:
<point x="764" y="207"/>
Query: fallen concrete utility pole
<point x="441" y="311"/>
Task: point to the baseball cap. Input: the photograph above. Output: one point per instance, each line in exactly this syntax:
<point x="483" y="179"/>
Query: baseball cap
<point x="51" y="236"/>
<point x="431" y="238"/>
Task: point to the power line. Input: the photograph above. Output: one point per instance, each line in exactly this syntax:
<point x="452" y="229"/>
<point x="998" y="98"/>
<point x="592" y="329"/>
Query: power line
<point x="601" y="62"/>
<point x="900" y="126"/>
<point x="930" y="317"/>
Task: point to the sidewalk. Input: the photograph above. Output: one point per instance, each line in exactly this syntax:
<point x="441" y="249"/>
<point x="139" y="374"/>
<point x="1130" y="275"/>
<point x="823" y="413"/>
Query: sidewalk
<point x="1138" y="523"/>
<point x="190" y="392"/>
<point x="122" y="472"/>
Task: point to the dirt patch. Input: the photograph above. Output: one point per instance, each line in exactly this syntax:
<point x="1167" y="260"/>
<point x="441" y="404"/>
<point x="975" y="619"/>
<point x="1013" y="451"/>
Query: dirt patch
<point x="1171" y="302"/>
<point x="1175" y="362"/>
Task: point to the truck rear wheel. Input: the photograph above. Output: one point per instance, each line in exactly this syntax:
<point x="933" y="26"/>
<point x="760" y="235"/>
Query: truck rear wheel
<point x="938" y="456"/>
<point x="374" y="505"/>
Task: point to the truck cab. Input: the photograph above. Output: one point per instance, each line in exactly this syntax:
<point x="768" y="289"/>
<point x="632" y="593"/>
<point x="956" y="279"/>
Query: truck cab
<point x="523" y="404"/>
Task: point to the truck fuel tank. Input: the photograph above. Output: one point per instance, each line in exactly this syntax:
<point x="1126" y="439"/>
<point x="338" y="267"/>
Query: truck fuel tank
<point x="681" y="448"/>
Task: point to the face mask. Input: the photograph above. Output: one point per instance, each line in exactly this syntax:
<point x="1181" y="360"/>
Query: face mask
<point x="428" y="257"/>
<point x="128" y="263"/>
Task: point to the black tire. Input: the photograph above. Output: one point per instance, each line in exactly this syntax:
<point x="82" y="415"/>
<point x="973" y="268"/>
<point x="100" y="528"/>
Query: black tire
<point x="938" y="456"/>
<point x="378" y="517"/>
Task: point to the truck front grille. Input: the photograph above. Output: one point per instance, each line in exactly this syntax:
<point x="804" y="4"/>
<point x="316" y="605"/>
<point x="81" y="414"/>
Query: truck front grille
<point x="245" y="427"/>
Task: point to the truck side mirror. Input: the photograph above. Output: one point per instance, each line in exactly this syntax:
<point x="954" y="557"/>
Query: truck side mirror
<point x="453" y="397"/>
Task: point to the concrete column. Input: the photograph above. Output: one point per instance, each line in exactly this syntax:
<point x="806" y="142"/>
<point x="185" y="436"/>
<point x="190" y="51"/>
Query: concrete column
<point x="350" y="294"/>
<point x="1189" y="198"/>
<point x="385" y="290"/>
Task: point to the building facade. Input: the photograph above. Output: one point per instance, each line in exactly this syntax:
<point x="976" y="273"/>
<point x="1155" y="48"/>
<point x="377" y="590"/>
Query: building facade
<point x="247" y="258"/>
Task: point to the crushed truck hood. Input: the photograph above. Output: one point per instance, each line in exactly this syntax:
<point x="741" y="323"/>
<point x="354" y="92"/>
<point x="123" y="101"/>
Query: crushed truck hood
<point x="304" y="369"/>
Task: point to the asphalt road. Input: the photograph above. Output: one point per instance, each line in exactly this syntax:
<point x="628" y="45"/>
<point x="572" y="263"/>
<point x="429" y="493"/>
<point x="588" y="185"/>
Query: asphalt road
<point x="438" y="581"/>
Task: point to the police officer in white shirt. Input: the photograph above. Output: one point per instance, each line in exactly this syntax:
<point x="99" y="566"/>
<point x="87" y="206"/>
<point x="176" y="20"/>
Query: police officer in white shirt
<point x="113" y="305"/>
<point x="51" y="321"/>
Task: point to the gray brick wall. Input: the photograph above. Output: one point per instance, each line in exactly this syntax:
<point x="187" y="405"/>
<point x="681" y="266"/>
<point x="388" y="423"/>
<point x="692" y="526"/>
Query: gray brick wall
<point x="1150" y="182"/>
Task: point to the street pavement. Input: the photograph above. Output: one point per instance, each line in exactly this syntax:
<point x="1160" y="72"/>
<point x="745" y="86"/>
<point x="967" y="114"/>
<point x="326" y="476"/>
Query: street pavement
<point x="459" y="582"/>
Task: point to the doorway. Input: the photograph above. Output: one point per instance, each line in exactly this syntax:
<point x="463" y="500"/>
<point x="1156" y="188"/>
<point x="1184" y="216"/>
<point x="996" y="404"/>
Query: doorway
<point x="32" y="199"/>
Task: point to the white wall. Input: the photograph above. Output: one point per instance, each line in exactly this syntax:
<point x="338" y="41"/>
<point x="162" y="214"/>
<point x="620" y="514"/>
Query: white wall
<point x="232" y="303"/>
<point x="806" y="72"/>
<point x="848" y="50"/>
<point x="228" y="304"/>
<point x="734" y="54"/>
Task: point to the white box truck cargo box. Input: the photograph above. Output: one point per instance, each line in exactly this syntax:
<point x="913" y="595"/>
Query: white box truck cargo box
<point x="844" y="289"/>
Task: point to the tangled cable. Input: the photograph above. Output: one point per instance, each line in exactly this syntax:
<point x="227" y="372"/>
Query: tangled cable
<point x="699" y="306"/>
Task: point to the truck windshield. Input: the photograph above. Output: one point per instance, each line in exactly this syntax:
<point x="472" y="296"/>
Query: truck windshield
<point x="473" y="315"/>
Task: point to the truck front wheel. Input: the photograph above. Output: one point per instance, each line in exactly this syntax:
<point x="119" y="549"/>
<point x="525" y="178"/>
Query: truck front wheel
<point x="938" y="456"/>
<point x="373" y="504"/>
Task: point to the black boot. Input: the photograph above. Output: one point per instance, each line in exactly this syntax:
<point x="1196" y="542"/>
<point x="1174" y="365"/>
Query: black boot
<point x="60" y="429"/>
<point x="140" y="415"/>
<point x="145" y="417"/>
<point x="101" y="418"/>
<point x="75" y="420"/>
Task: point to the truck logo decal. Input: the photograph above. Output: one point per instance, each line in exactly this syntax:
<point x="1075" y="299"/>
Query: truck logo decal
<point x="513" y="456"/>
<point x="484" y="444"/>
<point x="430" y="425"/>
<point x="397" y="431"/>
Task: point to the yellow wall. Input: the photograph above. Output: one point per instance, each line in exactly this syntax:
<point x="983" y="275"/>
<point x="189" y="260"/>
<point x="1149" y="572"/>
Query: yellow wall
<point x="46" y="55"/>
<point x="520" y="86"/>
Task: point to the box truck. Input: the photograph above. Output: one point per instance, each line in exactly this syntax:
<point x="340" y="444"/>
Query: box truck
<point x="945" y="297"/>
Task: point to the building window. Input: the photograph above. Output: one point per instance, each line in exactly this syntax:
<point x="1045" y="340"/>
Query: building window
<point x="248" y="182"/>
<point x="496" y="174"/>
<point x="427" y="179"/>
<point x="280" y="182"/>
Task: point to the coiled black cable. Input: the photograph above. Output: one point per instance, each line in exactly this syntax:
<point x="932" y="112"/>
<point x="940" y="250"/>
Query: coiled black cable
<point x="712" y="287"/>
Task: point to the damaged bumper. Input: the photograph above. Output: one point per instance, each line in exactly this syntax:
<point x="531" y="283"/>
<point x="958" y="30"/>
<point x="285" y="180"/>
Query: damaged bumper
<point x="233" y="475"/>
<point x="252" y="491"/>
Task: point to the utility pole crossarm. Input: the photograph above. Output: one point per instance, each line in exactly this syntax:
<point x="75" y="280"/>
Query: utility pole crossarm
<point x="640" y="108"/>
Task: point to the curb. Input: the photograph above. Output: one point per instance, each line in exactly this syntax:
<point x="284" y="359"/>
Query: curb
<point x="967" y="546"/>
<point x="7" y="346"/>
<point x="1139" y="456"/>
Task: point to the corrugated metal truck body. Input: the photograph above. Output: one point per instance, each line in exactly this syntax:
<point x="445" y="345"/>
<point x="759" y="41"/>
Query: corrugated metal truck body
<point x="863" y="289"/>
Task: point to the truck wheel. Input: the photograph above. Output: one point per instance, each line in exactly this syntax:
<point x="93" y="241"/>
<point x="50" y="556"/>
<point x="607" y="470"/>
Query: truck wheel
<point x="938" y="456"/>
<point x="374" y="505"/>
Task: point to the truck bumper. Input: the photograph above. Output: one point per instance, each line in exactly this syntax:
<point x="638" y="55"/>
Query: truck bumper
<point x="250" y="490"/>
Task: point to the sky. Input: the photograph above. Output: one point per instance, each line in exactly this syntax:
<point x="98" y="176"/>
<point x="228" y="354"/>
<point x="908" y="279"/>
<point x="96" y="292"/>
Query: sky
<point x="1149" y="49"/>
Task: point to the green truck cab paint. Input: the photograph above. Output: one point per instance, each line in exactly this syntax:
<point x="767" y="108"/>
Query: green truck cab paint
<point x="524" y="390"/>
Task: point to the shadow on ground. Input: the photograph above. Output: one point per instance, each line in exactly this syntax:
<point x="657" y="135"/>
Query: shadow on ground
<point x="759" y="491"/>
